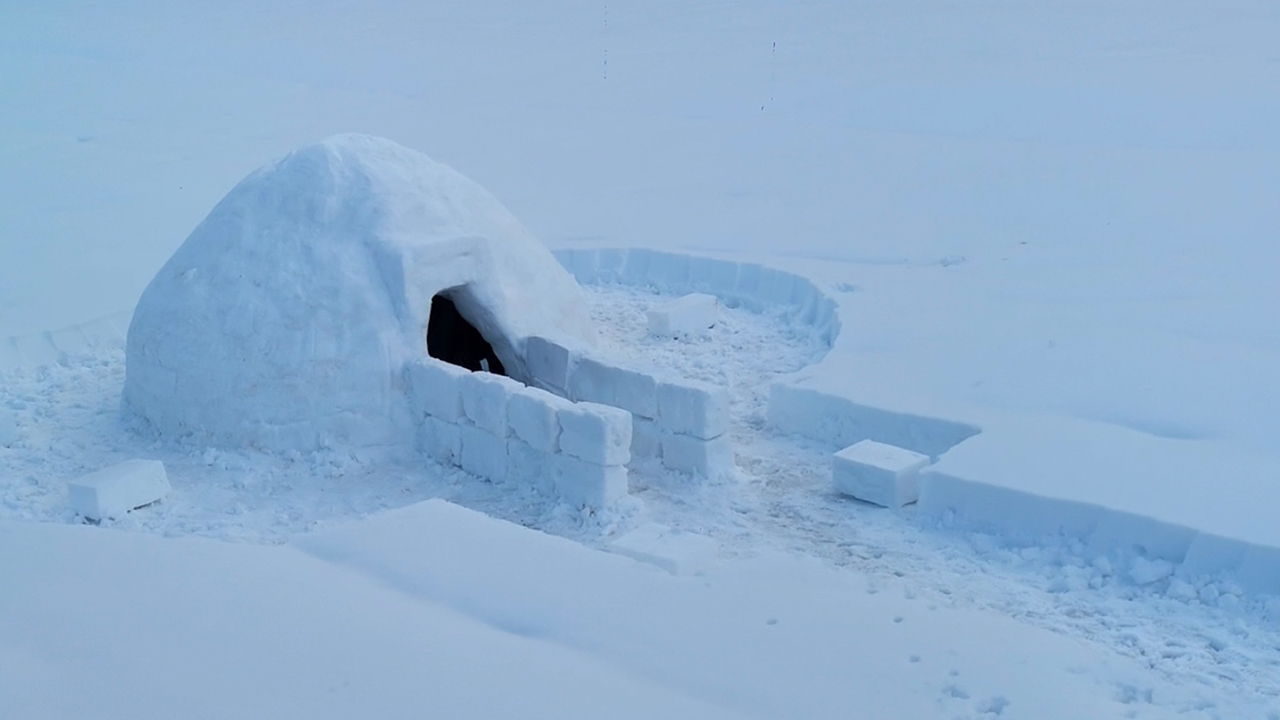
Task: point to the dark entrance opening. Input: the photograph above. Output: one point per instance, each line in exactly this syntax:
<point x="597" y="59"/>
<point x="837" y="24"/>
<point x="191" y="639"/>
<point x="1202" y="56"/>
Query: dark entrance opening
<point x="454" y="340"/>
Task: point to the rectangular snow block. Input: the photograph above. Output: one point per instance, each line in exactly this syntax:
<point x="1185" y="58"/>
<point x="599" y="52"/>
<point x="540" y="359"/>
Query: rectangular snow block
<point x="677" y="552"/>
<point x="701" y="271"/>
<point x="609" y="264"/>
<point x="484" y="400"/>
<point x="578" y="482"/>
<point x="549" y="364"/>
<point x="690" y="316"/>
<point x="440" y="440"/>
<point x="483" y="453"/>
<point x="435" y="388"/>
<point x="113" y="491"/>
<point x="669" y="271"/>
<point x="708" y="458"/>
<point x="693" y="408"/>
<point x="596" y="433"/>
<point x="877" y="473"/>
<point x="527" y="467"/>
<point x="600" y="382"/>
<point x="532" y="416"/>
<point x="646" y="439"/>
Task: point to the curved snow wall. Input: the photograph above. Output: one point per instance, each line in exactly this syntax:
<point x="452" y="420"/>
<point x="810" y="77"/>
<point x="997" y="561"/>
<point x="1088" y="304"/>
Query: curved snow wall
<point x="754" y="287"/>
<point x="44" y="348"/>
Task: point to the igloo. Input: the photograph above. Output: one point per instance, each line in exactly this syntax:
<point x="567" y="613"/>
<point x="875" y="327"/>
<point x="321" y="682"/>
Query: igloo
<point x="286" y="319"/>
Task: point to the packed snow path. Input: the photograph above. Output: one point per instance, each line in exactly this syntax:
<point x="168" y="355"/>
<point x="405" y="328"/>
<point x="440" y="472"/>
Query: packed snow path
<point x="1203" y="635"/>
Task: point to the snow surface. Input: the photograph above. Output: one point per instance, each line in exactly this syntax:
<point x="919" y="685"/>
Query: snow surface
<point x="1057" y="213"/>
<point x="286" y="319"/>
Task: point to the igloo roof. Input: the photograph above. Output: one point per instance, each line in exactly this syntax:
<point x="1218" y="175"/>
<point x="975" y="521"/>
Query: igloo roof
<point x="285" y="319"/>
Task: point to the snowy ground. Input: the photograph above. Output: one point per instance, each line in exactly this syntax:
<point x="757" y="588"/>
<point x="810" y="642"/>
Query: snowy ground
<point x="1213" y="641"/>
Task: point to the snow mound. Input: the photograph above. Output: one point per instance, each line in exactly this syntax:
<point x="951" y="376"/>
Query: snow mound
<point x="286" y="318"/>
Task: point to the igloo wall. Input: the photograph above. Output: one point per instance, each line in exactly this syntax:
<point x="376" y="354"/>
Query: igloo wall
<point x="287" y="317"/>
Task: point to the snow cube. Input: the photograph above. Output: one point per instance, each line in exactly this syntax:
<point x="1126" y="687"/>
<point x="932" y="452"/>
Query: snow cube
<point x="677" y="552"/>
<point x="708" y="458"/>
<point x="596" y="433"/>
<point x="693" y="408"/>
<point x="578" y="482"/>
<point x="690" y="316"/>
<point x="878" y="473"/>
<point x="435" y="388"/>
<point x="527" y="466"/>
<point x="8" y="428"/>
<point x="484" y="400"/>
<point x="114" y="491"/>
<point x="598" y="382"/>
<point x="483" y="453"/>
<point x="531" y="415"/>
<point x="646" y="439"/>
<point x="440" y="440"/>
<point x="548" y="364"/>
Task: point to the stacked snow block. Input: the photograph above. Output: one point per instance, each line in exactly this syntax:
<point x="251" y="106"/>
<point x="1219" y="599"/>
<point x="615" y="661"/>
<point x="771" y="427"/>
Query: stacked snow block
<point x="878" y="473"/>
<point x="507" y="432"/>
<point x="683" y="423"/>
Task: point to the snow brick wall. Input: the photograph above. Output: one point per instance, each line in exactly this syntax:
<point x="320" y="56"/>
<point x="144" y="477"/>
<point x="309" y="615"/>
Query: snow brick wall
<point x="684" y="423"/>
<point x="507" y="432"/>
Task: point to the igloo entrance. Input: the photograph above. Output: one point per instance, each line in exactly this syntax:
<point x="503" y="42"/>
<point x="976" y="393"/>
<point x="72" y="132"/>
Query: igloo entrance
<point x="451" y="338"/>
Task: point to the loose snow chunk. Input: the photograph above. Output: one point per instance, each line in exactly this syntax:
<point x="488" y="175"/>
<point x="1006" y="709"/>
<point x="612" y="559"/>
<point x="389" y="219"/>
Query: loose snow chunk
<point x="878" y="473"/>
<point x="531" y="414"/>
<point x="436" y="387"/>
<point x="484" y="399"/>
<point x="598" y="382"/>
<point x="691" y="315"/>
<point x="8" y="428"/>
<point x="441" y="441"/>
<point x="693" y="408"/>
<point x="708" y="458"/>
<point x="679" y="553"/>
<point x="114" y="491"/>
<point x="578" y="482"/>
<point x="596" y="433"/>
<point x="483" y="453"/>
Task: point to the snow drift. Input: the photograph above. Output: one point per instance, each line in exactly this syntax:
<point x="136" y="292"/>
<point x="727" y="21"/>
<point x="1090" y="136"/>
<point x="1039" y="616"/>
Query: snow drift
<point x="286" y="318"/>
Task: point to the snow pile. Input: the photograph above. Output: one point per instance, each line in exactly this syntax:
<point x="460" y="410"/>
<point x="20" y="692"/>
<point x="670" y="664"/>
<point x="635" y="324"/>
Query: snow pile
<point x="285" y="319"/>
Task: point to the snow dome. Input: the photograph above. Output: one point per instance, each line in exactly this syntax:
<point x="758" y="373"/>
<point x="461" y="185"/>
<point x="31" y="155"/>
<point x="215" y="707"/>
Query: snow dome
<point x="286" y="318"/>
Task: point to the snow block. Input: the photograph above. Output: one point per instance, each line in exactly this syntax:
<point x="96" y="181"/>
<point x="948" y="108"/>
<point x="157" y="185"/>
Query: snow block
<point x="548" y="364"/>
<point x="635" y="270"/>
<point x="693" y="408"/>
<point x="595" y="433"/>
<point x="677" y="552"/>
<point x="689" y="316"/>
<point x="878" y="473"/>
<point x="114" y="491"/>
<point x="599" y="382"/>
<point x="483" y="453"/>
<point x="669" y="271"/>
<point x="484" y="400"/>
<point x="435" y="387"/>
<point x="527" y="467"/>
<point x="578" y="482"/>
<point x="532" y="416"/>
<point x="646" y="439"/>
<point x="8" y="428"/>
<point x="440" y="440"/>
<point x="707" y="458"/>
